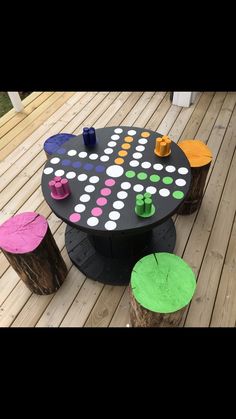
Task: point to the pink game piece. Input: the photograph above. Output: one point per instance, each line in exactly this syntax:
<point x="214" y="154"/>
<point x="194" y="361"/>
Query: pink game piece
<point x="23" y="233"/>
<point x="57" y="179"/>
<point x="110" y="182"/>
<point x="59" y="188"/>
<point x="101" y="201"/>
<point x="96" y="212"/>
<point x="105" y="191"/>
<point x="65" y="185"/>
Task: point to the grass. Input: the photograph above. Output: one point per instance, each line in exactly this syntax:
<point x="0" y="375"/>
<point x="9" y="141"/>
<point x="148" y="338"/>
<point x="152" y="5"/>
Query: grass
<point x="5" y="103"/>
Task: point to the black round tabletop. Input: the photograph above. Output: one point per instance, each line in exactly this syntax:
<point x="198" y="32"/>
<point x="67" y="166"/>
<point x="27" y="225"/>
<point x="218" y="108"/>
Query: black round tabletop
<point x="105" y="180"/>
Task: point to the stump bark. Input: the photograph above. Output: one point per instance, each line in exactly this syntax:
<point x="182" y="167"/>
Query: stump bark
<point x="161" y="287"/>
<point x="200" y="158"/>
<point x="29" y="246"/>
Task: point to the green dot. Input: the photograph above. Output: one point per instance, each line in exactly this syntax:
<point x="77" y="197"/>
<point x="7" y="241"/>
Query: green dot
<point x="178" y="194"/>
<point x="142" y="176"/>
<point x="167" y="180"/>
<point x="130" y="173"/>
<point x="154" y="178"/>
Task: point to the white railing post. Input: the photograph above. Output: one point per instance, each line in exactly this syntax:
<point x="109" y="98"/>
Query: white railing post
<point x="16" y="101"/>
<point x="182" y="98"/>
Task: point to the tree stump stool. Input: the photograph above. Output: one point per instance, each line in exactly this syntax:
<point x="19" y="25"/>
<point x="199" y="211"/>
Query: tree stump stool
<point x="200" y="158"/>
<point x="29" y="246"/>
<point x="162" y="285"/>
<point x="55" y="142"/>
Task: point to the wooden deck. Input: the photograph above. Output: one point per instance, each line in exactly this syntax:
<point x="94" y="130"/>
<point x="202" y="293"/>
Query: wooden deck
<point x="206" y="239"/>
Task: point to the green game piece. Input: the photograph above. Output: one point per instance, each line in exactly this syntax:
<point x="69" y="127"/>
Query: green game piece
<point x="144" y="206"/>
<point x="147" y="195"/>
<point x="154" y="178"/>
<point x="148" y="205"/>
<point x="167" y="180"/>
<point x="130" y="174"/>
<point x="139" y="208"/>
<point x="139" y="196"/>
<point x="162" y="282"/>
<point x="178" y="194"/>
<point x="142" y="176"/>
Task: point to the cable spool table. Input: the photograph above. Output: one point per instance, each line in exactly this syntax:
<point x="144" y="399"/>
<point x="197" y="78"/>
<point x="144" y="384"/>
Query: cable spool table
<point x="105" y="235"/>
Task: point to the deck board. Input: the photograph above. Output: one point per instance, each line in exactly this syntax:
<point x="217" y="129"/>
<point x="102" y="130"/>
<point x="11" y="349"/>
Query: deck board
<point x="206" y="239"/>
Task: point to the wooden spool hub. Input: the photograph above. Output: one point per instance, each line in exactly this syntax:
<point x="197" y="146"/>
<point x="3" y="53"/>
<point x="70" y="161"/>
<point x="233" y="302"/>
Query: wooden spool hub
<point x="29" y="246"/>
<point x="162" y="285"/>
<point x="200" y="158"/>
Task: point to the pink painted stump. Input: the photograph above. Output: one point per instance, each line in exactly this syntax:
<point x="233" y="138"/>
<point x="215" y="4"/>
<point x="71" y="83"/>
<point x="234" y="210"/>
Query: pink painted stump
<point x="29" y="246"/>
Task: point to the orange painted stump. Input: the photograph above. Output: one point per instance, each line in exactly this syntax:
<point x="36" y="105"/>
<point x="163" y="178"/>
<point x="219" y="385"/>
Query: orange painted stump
<point x="29" y="246"/>
<point x="200" y="158"/>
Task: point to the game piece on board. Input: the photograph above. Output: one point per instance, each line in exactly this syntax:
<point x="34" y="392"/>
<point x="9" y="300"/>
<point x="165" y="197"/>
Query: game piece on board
<point x="86" y="136"/>
<point x="59" y="188"/>
<point x="144" y="206"/>
<point x="92" y="137"/>
<point x="163" y="146"/>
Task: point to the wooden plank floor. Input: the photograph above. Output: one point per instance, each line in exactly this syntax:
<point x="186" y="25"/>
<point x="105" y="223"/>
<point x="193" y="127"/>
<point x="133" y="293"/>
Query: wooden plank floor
<point x="206" y="239"/>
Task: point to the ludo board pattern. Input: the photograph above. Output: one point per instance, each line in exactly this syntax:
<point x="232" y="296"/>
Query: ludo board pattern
<point x="105" y="180"/>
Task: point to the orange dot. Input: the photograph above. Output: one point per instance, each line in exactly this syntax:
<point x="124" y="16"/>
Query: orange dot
<point x="145" y="134"/>
<point x="119" y="161"/>
<point x="122" y="153"/>
<point x="126" y="146"/>
<point x="129" y="139"/>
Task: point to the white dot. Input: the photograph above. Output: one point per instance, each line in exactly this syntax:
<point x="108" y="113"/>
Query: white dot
<point x="146" y="165"/>
<point x="157" y="166"/>
<point x="118" y="205"/>
<point x="131" y="132"/>
<point x="118" y="130"/>
<point x="180" y="182"/>
<point x="114" y="215"/>
<point x="122" y="195"/>
<point x="142" y="141"/>
<point x="48" y="170"/>
<point x="82" y="177"/>
<point x="125" y="185"/>
<point x="110" y="225"/>
<point x="59" y="172"/>
<point x="137" y="155"/>
<point x="138" y="188"/>
<point x="108" y="151"/>
<point x="92" y="221"/>
<point x="55" y="160"/>
<point x="183" y="170"/>
<point x="89" y="188"/>
<point x="80" y="208"/>
<point x="93" y="156"/>
<point x="115" y="171"/>
<point x="82" y="154"/>
<point x="94" y="179"/>
<point x="85" y="198"/>
<point x="104" y="158"/>
<point x="72" y="152"/>
<point x="151" y="190"/>
<point x="164" y="192"/>
<point x="140" y="148"/>
<point x="70" y="175"/>
<point x="170" y="169"/>
<point x="115" y="137"/>
<point x="134" y="163"/>
<point x="111" y="144"/>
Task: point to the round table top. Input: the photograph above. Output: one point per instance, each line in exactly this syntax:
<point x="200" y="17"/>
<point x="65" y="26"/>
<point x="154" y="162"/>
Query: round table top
<point x="106" y="179"/>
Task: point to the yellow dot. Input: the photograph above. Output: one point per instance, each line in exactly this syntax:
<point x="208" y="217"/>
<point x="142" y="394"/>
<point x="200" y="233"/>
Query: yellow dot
<point x="145" y="134"/>
<point x="119" y="161"/>
<point x="126" y="146"/>
<point x="129" y="139"/>
<point x="122" y="153"/>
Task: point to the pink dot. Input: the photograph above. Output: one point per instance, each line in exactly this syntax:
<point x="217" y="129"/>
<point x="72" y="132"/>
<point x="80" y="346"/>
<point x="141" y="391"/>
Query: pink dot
<point x="110" y="182"/>
<point x="101" y="201"/>
<point x="96" y="211"/>
<point x="74" y="217"/>
<point x="105" y="191"/>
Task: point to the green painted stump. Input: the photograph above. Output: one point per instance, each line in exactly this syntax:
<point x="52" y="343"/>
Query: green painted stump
<point x="162" y="285"/>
